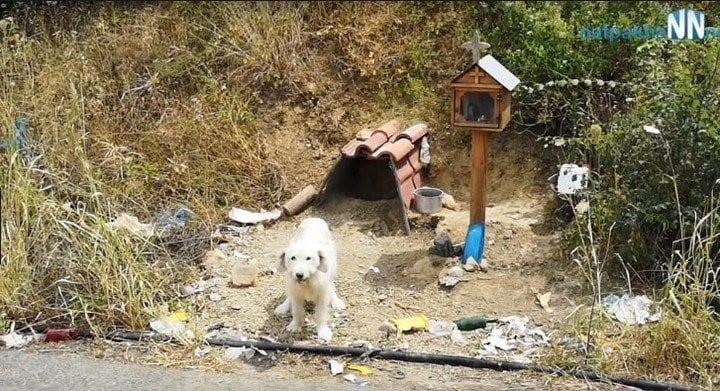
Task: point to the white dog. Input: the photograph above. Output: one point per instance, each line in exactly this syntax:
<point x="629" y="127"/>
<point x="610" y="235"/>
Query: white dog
<point x="310" y="265"/>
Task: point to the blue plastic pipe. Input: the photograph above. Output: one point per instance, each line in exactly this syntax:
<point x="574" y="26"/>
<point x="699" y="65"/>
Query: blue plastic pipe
<point x="474" y="243"/>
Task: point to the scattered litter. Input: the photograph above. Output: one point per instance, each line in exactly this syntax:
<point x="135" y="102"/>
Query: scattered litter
<point x="363" y="369"/>
<point x="15" y="340"/>
<point x="174" y="218"/>
<point x="449" y="202"/>
<point x="214" y="297"/>
<point x="651" y="129"/>
<point x="354" y="380"/>
<point x="58" y="335"/>
<point x="544" y="300"/>
<point x="132" y="225"/>
<point x="470" y="265"/>
<point x="473" y="323"/>
<point x="571" y="178"/>
<point x="172" y="325"/>
<point x="455" y="271"/>
<point x="374" y="269"/>
<point x="189" y="290"/>
<point x="630" y="309"/>
<point x="235" y="353"/>
<point x="415" y="323"/>
<point x="244" y="275"/>
<point x="20" y="139"/>
<point x="622" y="387"/>
<point x="425" y="151"/>
<point x="262" y="352"/>
<point x="336" y="367"/>
<point x="448" y="281"/>
<point x="444" y="329"/>
<point x="201" y="352"/>
<point x="513" y="333"/>
<point x="246" y="217"/>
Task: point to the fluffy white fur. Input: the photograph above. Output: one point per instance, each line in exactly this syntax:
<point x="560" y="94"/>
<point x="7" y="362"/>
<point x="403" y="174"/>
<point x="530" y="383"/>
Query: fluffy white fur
<point x="309" y="263"/>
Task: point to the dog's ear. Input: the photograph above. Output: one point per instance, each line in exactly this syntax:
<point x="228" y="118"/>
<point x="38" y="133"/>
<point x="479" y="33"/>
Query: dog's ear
<point x="281" y="263"/>
<point x="322" y="266"/>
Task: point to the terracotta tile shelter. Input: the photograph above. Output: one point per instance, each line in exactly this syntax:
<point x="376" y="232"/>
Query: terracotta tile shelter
<point x="379" y="164"/>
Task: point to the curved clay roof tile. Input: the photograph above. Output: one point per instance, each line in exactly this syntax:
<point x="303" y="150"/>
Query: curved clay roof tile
<point x="415" y="132"/>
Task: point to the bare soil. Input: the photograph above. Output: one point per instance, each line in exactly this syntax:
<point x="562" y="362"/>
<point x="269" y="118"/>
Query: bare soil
<point x="521" y="250"/>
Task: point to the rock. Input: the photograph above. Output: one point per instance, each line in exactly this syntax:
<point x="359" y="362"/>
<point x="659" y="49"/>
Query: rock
<point x="382" y="297"/>
<point x="214" y="297"/>
<point x="449" y="281"/>
<point x="236" y="306"/>
<point x="244" y="275"/>
<point x="214" y="259"/>
<point x="449" y="202"/>
<point x="443" y="246"/>
<point x="260" y="228"/>
<point x="470" y="265"/>
<point x="483" y="266"/>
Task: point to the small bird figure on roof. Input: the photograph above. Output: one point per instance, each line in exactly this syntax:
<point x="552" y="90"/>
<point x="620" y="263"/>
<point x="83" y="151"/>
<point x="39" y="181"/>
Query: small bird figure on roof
<point x="476" y="46"/>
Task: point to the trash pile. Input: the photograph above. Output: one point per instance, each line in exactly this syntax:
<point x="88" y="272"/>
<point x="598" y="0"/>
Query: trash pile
<point x="630" y="309"/>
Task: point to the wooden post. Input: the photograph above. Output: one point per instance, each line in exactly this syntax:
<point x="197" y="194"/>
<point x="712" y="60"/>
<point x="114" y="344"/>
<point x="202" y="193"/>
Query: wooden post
<point x="478" y="181"/>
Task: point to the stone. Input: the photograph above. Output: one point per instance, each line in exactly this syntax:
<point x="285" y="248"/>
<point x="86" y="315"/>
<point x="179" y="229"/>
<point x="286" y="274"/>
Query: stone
<point x="244" y="275"/>
<point x="449" y="202"/>
<point x="443" y="246"/>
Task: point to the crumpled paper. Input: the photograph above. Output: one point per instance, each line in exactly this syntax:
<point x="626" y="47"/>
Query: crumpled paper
<point x="246" y="217"/>
<point x="444" y="329"/>
<point x="513" y="333"/>
<point x="630" y="309"/>
<point x="173" y="325"/>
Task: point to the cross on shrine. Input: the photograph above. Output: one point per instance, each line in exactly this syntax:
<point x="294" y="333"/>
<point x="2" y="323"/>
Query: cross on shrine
<point x="476" y="46"/>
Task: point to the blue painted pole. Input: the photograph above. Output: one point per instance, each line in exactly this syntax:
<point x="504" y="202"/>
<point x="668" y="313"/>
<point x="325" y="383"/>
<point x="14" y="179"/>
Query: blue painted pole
<point x="475" y="238"/>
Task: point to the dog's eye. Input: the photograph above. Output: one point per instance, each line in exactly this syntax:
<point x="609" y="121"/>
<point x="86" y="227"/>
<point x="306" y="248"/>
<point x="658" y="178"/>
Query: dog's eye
<point x="307" y="259"/>
<point x="292" y="258"/>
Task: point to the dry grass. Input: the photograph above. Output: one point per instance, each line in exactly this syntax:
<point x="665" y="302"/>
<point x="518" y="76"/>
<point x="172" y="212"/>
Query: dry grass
<point x="684" y="345"/>
<point x="135" y="108"/>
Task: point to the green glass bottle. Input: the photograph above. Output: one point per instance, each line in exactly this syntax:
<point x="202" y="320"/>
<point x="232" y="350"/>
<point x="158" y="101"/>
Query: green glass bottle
<point x="473" y="323"/>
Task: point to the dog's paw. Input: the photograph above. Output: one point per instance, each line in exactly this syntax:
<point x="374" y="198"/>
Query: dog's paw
<point x="294" y="327"/>
<point x="324" y="333"/>
<point x="283" y="309"/>
<point x="337" y="304"/>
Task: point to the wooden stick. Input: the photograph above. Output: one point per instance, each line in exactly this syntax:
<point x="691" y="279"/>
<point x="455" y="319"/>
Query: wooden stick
<point x="300" y="202"/>
<point x="478" y="185"/>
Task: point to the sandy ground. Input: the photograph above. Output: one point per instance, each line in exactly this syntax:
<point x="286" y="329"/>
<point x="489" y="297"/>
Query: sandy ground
<point x="520" y="250"/>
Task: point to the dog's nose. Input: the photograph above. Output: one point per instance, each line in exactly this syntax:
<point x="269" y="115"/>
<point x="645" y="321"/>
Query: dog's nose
<point x="299" y="276"/>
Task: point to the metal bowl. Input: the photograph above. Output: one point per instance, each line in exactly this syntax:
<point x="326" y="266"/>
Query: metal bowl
<point x="428" y="200"/>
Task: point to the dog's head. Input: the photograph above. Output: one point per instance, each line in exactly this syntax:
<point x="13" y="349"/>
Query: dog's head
<point x="302" y="262"/>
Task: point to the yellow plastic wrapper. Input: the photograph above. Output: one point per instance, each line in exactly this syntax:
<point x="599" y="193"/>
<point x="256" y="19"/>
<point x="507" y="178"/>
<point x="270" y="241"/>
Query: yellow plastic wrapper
<point x="418" y="322"/>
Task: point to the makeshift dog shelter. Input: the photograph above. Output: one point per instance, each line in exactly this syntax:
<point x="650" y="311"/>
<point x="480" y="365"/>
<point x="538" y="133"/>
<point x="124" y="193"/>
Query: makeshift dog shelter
<point x="380" y="164"/>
